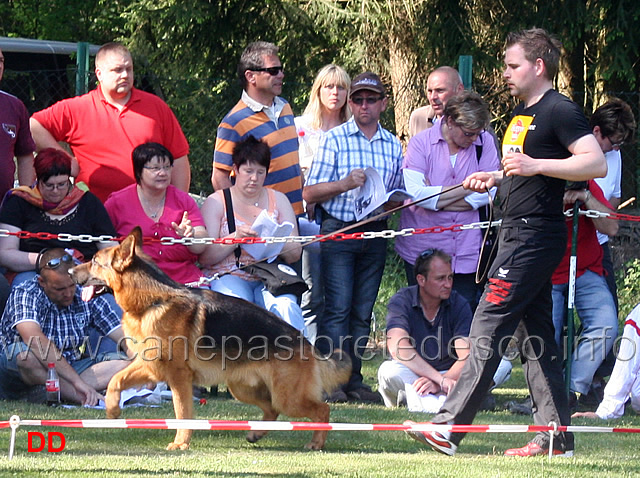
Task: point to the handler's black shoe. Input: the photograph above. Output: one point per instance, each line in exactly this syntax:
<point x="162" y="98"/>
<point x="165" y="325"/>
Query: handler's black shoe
<point x="364" y="395"/>
<point x="338" y="396"/>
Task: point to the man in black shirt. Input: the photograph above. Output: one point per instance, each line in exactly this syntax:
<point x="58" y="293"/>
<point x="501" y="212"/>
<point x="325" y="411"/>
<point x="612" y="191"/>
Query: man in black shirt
<point x="547" y="142"/>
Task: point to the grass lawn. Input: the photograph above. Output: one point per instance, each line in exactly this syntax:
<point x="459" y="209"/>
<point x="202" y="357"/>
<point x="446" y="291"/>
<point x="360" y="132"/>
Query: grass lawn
<point x="140" y="453"/>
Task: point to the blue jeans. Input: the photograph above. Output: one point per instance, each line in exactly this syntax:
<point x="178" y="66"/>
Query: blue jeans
<point x="352" y="272"/>
<point x="312" y="300"/>
<point x="284" y="306"/>
<point x="597" y="311"/>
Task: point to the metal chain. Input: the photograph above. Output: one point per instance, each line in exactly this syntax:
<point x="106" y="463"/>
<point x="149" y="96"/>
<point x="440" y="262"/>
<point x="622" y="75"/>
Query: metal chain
<point x="386" y="234"/>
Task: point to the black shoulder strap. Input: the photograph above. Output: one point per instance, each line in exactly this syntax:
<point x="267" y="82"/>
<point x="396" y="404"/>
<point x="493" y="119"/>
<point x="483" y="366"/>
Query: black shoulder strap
<point x="479" y="150"/>
<point x="484" y="210"/>
<point x="231" y="221"/>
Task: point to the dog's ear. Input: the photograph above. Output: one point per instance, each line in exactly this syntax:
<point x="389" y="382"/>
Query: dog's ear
<point x="137" y="234"/>
<point x="124" y="255"/>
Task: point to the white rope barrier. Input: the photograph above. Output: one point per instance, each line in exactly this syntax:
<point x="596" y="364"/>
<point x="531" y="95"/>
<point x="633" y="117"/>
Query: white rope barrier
<point x="191" y="424"/>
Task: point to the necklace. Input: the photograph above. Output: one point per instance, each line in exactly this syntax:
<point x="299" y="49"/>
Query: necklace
<point x="147" y="207"/>
<point x="255" y="204"/>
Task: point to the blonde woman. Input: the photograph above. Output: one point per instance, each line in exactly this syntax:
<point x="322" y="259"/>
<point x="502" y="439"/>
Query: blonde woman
<point x="327" y="109"/>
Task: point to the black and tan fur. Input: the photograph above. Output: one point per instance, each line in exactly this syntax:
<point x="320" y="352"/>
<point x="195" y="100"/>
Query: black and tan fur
<point x="269" y="365"/>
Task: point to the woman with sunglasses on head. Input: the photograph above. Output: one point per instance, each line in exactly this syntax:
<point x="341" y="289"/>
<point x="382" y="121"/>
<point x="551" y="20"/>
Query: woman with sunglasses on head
<point x="161" y="210"/>
<point x="327" y="109"/>
<point x="53" y="205"/>
<point x="438" y="159"/>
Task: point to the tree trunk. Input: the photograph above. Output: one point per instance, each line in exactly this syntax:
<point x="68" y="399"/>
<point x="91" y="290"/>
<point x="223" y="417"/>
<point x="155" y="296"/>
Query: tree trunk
<point x="406" y="80"/>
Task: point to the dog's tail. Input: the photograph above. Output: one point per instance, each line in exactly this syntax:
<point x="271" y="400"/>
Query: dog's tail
<point x="335" y="370"/>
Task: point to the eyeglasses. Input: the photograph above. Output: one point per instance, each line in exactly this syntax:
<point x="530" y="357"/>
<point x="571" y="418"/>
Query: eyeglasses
<point x="157" y="169"/>
<point x="53" y="187"/>
<point x="469" y="134"/>
<point x="272" y="70"/>
<point x="615" y="145"/>
<point x="370" y="100"/>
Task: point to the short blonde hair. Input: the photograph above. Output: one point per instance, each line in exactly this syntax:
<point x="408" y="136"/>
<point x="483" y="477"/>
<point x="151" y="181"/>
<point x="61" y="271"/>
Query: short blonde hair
<point x="329" y="74"/>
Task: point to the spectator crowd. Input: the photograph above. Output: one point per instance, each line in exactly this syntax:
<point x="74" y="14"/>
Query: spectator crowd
<point x="115" y="158"/>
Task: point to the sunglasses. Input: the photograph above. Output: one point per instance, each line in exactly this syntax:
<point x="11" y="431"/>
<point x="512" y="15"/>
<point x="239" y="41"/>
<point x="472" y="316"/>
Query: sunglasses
<point x="426" y="253"/>
<point x="418" y="268"/>
<point x="370" y="100"/>
<point x="272" y="70"/>
<point x="52" y="263"/>
<point x="55" y="263"/>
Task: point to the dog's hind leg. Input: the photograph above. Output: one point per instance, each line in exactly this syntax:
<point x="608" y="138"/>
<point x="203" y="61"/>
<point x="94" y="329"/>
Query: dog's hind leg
<point x="259" y="396"/>
<point x="134" y="374"/>
<point x="180" y="380"/>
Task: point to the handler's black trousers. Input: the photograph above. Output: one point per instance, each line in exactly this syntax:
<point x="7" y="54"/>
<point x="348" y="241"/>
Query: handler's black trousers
<point x="516" y="303"/>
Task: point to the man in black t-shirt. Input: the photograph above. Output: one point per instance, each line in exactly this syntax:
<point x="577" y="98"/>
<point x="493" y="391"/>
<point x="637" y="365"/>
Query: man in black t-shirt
<point x="547" y="142"/>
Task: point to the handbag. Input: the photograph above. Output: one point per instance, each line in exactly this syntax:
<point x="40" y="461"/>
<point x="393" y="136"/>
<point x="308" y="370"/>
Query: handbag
<point x="278" y="277"/>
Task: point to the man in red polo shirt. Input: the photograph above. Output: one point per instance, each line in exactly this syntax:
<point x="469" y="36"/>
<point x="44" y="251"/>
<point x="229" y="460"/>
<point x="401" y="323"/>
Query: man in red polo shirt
<point x="103" y="127"/>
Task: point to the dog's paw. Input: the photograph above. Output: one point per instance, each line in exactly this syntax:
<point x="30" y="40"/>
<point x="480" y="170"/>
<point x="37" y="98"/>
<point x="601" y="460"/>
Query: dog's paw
<point x="254" y="436"/>
<point x="113" y="413"/>
<point x="315" y="446"/>
<point x="177" y="446"/>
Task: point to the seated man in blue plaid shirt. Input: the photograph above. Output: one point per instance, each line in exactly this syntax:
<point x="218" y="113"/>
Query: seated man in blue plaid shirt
<point x="352" y="269"/>
<point x="46" y="320"/>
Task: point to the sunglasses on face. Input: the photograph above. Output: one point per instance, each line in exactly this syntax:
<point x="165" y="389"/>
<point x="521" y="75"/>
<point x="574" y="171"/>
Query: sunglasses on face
<point x="272" y="70"/>
<point x="370" y="100"/>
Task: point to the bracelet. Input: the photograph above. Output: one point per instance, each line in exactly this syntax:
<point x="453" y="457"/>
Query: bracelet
<point x="442" y="381"/>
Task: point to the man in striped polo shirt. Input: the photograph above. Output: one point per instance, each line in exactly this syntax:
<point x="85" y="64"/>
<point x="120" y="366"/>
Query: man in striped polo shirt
<point x="261" y="113"/>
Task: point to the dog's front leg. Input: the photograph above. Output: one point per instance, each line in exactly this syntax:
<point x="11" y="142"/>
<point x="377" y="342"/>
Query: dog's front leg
<point x="134" y="374"/>
<point x="181" y="383"/>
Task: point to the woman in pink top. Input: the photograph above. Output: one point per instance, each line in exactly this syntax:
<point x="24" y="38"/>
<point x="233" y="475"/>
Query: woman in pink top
<point x="161" y="210"/>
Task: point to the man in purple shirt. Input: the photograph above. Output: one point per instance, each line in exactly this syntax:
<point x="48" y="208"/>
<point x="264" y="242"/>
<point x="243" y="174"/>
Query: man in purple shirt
<point x="439" y="158"/>
<point x="15" y="141"/>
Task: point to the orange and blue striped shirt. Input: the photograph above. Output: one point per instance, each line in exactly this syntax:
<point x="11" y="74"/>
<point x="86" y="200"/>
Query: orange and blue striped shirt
<point x="284" y="172"/>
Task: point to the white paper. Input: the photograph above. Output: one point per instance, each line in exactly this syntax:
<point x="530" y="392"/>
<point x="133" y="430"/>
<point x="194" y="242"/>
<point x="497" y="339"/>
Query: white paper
<point x="267" y="227"/>
<point x="428" y="404"/>
<point x="370" y="197"/>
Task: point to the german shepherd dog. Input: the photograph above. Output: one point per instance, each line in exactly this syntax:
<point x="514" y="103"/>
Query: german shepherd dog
<point x="184" y="336"/>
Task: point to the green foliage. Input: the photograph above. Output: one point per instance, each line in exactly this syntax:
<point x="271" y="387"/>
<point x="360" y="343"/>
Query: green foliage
<point x="94" y="21"/>
<point x="628" y="281"/>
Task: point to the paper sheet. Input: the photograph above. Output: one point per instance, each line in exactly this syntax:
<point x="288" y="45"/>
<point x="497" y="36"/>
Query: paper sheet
<point x="267" y="227"/>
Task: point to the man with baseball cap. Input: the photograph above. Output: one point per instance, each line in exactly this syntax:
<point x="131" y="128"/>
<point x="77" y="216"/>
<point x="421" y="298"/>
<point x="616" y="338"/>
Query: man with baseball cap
<point x="352" y="269"/>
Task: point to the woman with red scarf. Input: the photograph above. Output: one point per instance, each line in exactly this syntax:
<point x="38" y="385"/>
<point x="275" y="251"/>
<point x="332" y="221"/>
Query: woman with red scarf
<point x="54" y="205"/>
